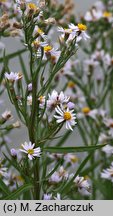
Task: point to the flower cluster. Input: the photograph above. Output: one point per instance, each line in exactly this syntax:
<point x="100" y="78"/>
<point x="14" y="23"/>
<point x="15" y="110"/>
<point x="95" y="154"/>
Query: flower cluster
<point x="58" y="94"/>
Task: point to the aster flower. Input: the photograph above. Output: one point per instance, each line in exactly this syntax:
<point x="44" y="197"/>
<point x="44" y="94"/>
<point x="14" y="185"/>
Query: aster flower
<point x="39" y="32"/>
<point x="38" y="43"/>
<point x="28" y="148"/>
<point x="109" y="124"/>
<point x="66" y="116"/>
<point x="13" y="152"/>
<point x="41" y="100"/>
<point x="57" y="197"/>
<point x="47" y="197"/>
<point x="12" y="76"/>
<point x="108" y="149"/>
<point x="108" y="173"/>
<point x="58" y="176"/>
<point x="80" y="30"/>
<point x="29" y="100"/>
<point x="56" y="99"/>
<point x="3" y="170"/>
<point x="83" y="185"/>
<point x="103" y="138"/>
<point x="55" y="178"/>
<point x="50" y="51"/>
<point x="6" y="115"/>
<point x="93" y="15"/>
<point x="70" y="158"/>
<point x="63" y="173"/>
<point x="32" y="6"/>
<point x="108" y="15"/>
<point x="29" y="87"/>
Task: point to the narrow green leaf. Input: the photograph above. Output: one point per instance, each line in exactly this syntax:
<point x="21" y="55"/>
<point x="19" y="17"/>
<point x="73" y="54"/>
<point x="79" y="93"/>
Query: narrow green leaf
<point x="12" y="55"/>
<point x="72" y="149"/>
<point x="4" y="187"/>
<point x="17" y="193"/>
<point x="23" y="68"/>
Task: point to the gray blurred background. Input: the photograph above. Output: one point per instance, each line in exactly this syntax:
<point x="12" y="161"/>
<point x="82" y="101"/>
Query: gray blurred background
<point x="18" y="136"/>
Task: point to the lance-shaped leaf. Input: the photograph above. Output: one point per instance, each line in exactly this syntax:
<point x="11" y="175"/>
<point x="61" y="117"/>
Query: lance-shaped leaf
<point x="64" y="150"/>
<point x="18" y="192"/>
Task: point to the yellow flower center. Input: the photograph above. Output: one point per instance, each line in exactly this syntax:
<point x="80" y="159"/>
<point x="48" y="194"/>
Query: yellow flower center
<point x="74" y="159"/>
<point x="3" y="1"/>
<point x="32" y="6"/>
<point x="86" y="110"/>
<point x="86" y="177"/>
<point x="30" y="151"/>
<point x="47" y="48"/>
<point x="82" y="27"/>
<point x="36" y="43"/>
<point x="19" y="178"/>
<point x="71" y="84"/>
<point x="41" y="99"/>
<point x="40" y="31"/>
<point x="67" y="116"/>
<point x="107" y="14"/>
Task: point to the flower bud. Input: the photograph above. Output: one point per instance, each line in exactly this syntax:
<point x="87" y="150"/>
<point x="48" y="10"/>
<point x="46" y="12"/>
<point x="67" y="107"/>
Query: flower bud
<point x="13" y="152"/>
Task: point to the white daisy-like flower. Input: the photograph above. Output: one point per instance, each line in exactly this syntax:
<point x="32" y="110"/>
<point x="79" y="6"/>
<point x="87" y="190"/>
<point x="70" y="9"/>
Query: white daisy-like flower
<point x="56" y="99"/>
<point x="108" y="149"/>
<point x="12" y="76"/>
<point x="70" y="158"/>
<point x="6" y="115"/>
<point x="95" y="113"/>
<point x="47" y="197"/>
<point x="29" y="100"/>
<point x="13" y="152"/>
<point x="63" y="173"/>
<point x="80" y="30"/>
<point x="55" y="156"/>
<point x="58" y="176"/>
<point x="93" y="15"/>
<point x="65" y="115"/>
<point x="55" y="178"/>
<point x="28" y="148"/>
<point x="90" y="63"/>
<point x="83" y="185"/>
<point x="50" y="51"/>
<point x="98" y="55"/>
<point x="108" y="122"/>
<point x="108" y="173"/>
<point x="39" y="32"/>
<point x="58" y="197"/>
<point x="29" y="87"/>
<point x="41" y="101"/>
<point x="67" y="31"/>
<point x="3" y="170"/>
<point x="103" y="138"/>
<point x="38" y="43"/>
<point x="6" y="3"/>
<point x="108" y="15"/>
<point x="108" y="59"/>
